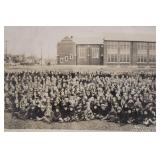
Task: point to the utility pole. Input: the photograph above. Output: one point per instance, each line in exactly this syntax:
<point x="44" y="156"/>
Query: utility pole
<point x="41" y="57"/>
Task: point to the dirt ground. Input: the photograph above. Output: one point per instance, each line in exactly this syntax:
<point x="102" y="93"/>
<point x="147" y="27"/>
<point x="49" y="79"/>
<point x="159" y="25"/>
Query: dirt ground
<point x="93" y="125"/>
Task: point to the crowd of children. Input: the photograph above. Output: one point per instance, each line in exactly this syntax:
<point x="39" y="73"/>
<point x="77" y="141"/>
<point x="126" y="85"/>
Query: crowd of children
<point x="53" y="96"/>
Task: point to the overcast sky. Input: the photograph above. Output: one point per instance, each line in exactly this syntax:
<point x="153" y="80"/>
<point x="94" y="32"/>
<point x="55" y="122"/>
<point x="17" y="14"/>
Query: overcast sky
<point x="30" y="40"/>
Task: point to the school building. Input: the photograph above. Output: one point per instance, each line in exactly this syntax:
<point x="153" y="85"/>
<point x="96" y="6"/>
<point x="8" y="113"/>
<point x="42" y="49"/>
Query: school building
<point x="111" y="52"/>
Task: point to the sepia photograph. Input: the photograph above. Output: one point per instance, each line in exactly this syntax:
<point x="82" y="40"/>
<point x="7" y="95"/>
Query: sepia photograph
<point x="80" y="78"/>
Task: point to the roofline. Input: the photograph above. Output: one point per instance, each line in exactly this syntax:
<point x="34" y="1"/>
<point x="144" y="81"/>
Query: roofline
<point x="130" y="41"/>
<point x="89" y="43"/>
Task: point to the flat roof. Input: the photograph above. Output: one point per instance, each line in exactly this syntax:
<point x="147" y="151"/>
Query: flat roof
<point x="135" y="38"/>
<point x="89" y="43"/>
<point x="130" y="41"/>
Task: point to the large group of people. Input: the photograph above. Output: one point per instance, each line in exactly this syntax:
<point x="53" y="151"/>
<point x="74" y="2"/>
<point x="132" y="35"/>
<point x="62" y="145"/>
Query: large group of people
<point x="53" y="96"/>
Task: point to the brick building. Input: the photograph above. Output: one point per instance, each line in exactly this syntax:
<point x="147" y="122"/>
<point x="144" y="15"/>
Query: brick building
<point x="115" y="52"/>
<point x="66" y="52"/>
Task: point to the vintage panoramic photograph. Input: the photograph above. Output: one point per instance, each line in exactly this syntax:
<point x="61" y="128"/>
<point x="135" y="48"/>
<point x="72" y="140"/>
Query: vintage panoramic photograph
<point x="80" y="78"/>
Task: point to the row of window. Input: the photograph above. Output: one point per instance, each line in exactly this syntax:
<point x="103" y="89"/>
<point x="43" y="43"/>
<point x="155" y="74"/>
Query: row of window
<point x="122" y="51"/>
<point x="125" y="49"/>
<point x="116" y="45"/>
<point x="125" y="58"/>
<point x="115" y="51"/>
<point x="126" y="45"/>
<point x="142" y="46"/>
<point x="145" y="46"/>
<point x="143" y="58"/>
<point x="66" y="58"/>
<point x="82" y="52"/>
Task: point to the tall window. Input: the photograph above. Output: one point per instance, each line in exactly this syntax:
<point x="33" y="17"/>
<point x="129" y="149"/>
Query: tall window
<point x="142" y="48"/>
<point x="70" y="56"/>
<point x="95" y="52"/>
<point x="66" y="58"/>
<point x="124" y="56"/>
<point x="61" y="60"/>
<point x="112" y="52"/>
<point x="82" y="52"/>
<point x="152" y="53"/>
<point x="152" y="58"/>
